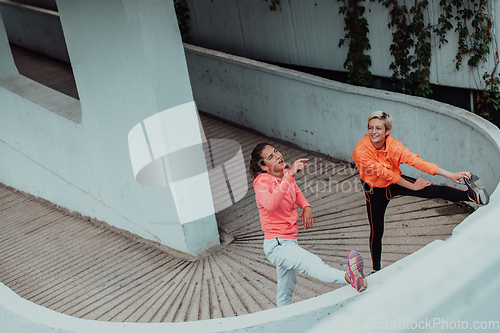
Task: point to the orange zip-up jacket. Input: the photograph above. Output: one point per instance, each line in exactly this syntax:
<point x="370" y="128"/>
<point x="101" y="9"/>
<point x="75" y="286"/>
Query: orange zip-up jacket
<point x="380" y="168"/>
<point x="276" y="199"/>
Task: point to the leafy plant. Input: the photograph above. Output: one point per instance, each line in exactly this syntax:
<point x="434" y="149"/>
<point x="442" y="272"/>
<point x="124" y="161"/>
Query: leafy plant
<point x="410" y="47"/>
<point x="182" y="12"/>
<point x="356" y="27"/>
<point x="491" y="96"/>
<point x="274" y="4"/>
<point x="473" y="15"/>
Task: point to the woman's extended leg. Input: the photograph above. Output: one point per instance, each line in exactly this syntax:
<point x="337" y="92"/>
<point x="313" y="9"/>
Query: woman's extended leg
<point x="376" y="204"/>
<point x="431" y="192"/>
<point x="289" y="259"/>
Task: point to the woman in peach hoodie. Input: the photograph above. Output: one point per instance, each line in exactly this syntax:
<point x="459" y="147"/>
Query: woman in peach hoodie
<point x="276" y="194"/>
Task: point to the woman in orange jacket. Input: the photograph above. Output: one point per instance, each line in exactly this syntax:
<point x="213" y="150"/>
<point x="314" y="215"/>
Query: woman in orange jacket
<point x="378" y="156"/>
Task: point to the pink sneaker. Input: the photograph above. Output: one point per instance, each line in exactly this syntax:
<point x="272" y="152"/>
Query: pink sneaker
<point x="355" y="274"/>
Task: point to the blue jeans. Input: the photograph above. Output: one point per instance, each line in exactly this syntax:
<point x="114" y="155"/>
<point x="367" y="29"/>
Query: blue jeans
<point x="289" y="259"/>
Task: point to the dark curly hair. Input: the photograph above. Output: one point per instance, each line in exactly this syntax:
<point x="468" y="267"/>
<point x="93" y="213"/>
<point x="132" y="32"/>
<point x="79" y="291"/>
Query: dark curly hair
<point x="256" y="160"/>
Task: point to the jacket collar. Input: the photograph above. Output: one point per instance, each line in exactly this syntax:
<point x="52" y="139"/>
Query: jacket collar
<point x="388" y="142"/>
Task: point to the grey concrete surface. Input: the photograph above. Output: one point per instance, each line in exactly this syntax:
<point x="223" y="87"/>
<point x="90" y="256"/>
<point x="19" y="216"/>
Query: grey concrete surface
<point x="129" y="65"/>
<point x="84" y="268"/>
<point x="331" y="117"/>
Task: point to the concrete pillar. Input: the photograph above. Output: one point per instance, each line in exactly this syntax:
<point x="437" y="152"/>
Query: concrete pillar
<point x="137" y="110"/>
<point x="7" y="66"/>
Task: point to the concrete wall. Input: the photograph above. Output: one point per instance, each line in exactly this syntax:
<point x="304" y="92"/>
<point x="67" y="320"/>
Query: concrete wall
<point x="300" y="33"/>
<point x="35" y="28"/>
<point x="129" y="65"/>
<point x="46" y="4"/>
<point x="458" y="273"/>
<point x="330" y="117"/>
<point x="307" y="33"/>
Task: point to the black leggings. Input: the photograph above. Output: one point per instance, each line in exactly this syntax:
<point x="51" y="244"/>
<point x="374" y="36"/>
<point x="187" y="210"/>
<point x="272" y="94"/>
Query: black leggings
<point x="378" y="198"/>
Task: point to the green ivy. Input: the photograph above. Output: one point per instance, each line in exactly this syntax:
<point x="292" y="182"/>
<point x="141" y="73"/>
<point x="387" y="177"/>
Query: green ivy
<point x="411" y="48"/>
<point x="356" y="27"/>
<point x="444" y="24"/>
<point x="467" y="13"/>
<point x="490" y="96"/>
<point x="274" y="4"/>
<point x="473" y="15"/>
<point x="481" y="36"/>
<point x="182" y="12"/>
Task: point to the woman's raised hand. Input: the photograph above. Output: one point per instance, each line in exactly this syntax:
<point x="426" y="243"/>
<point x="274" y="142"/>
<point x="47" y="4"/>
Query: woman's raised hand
<point x="298" y="166"/>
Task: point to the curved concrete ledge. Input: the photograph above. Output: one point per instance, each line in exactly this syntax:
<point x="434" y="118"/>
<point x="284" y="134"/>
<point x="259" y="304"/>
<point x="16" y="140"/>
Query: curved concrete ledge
<point x="272" y="102"/>
<point x="20" y="315"/>
<point x="452" y="287"/>
<point x="330" y="117"/>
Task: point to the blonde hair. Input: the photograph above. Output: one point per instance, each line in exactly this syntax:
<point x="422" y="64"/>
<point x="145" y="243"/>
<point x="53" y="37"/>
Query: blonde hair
<point x="382" y="116"/>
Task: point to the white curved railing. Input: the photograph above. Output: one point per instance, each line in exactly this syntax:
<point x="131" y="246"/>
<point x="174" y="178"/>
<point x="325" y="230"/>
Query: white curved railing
<point x="453" y="286"/>
<point x="272" y="100"/>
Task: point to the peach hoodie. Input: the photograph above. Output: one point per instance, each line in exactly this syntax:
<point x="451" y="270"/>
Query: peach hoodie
<point x="380" y="168"/>
<point x="276" y="199"/>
